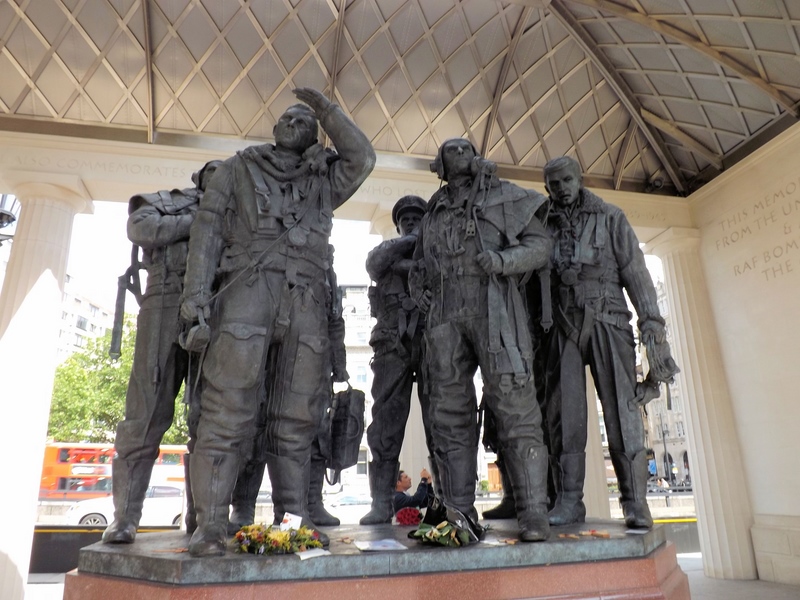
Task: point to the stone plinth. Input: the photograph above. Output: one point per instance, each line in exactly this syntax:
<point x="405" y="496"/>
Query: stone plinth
<point x="625" y="566"/>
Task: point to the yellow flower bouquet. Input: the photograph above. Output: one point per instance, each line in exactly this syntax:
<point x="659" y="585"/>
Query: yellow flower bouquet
<point x="260" y="539"/>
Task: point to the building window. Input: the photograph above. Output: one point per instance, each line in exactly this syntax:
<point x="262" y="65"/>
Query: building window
<point x="82" y="323"/>
<point x="361" y="374"/>
<point x="361" y="465"/>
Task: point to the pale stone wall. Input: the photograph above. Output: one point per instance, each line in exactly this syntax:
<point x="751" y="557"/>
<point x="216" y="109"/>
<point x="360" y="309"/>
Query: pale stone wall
<point x="749" y="222"/>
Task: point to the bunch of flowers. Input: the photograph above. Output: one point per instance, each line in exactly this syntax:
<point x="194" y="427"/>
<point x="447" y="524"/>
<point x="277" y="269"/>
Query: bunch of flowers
<point x="408" y="516"/>
<point x="445" y="534"/>
<point x="260" y="539"/>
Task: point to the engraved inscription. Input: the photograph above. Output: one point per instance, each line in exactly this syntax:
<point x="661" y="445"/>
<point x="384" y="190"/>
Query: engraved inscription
<point x="774" y="217"/>
<point x="65" y="163"/>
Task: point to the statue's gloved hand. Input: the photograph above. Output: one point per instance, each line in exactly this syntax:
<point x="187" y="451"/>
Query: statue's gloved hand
<point x="482" y="165"/>
<point x="195" y="335"/>
<point x="646" y="390"/>
<point x="315" y="99"/>
<point x="490" y="261"/>
<point x="192" y="308"/>
<point x="659" y="357"/>
<point x="652" y="331"/>
<point x="424" y="301"/>
<point x="340" y="374"/>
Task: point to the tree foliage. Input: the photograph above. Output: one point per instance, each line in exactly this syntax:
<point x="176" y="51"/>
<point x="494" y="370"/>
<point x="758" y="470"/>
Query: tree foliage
<point x="89" y="394"/>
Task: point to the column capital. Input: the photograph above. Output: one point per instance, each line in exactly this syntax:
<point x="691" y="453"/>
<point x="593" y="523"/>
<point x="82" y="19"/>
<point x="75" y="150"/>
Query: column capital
<point x="672" y="240"/>
<point x="382" y="224"/>
<point x="67" y="189"/>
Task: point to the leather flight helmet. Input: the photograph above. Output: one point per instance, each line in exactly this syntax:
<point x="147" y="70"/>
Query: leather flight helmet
<point x="437" y="165"/>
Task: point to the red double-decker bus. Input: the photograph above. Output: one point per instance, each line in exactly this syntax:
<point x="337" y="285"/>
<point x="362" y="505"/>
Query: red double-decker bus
<point x="81" y="471"/>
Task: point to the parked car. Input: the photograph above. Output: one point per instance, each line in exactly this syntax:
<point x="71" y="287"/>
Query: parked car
<point x="348" y="499"/>
<point x="349" y="507"/>
<point x="163" y="506"/>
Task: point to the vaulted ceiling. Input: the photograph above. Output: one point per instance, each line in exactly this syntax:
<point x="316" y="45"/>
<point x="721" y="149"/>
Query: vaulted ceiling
<point x="654" y="95"/>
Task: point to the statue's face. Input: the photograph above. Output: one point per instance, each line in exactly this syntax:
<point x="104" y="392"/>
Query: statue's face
<point x="295" y="130"/>
<point x="563" y="185"/>
<point x="457" y="158"/>
<point x="408" y="222"/>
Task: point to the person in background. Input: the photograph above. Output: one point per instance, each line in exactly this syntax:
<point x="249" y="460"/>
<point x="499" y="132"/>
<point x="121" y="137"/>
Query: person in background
<point x="402" y="499"/>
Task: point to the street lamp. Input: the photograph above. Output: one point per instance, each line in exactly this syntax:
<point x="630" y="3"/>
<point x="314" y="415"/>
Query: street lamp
<point x="9" y="210"/>
<point x="664" y="432"/>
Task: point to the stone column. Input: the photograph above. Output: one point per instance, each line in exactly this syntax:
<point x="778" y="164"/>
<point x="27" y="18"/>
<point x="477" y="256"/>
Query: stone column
<point x="30" y="307"/>
<point x="724" y="514"/>
<point x="595" y="488"/>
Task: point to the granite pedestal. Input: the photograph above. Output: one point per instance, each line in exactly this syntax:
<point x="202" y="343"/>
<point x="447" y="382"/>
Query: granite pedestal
<point x="621" y="566"/>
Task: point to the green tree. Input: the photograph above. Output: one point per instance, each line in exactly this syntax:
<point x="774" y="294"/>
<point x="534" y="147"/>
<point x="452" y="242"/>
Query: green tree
<point x="89" y="394"/>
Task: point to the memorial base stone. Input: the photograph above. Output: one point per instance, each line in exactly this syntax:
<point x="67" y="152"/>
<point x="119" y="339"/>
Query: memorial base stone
<point x="624" y="566"/>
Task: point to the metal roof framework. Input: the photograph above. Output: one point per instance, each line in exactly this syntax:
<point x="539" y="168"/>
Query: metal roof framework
<point x="646" y="94"/>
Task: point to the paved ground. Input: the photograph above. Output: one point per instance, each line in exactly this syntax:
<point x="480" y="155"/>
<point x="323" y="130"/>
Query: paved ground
<point x="706" y="588"/>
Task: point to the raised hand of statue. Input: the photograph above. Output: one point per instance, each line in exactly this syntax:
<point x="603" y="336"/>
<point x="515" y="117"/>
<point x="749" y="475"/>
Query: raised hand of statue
<point x="315" y="99"/>
<point x="490" y="262"/>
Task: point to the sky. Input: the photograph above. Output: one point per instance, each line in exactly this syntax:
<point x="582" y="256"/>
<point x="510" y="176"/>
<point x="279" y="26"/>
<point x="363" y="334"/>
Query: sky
<point x="100" y="252"/>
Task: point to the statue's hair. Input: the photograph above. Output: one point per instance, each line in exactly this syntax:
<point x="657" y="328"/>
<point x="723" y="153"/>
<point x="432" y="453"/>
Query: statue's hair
<point x="560" y="163"/>
<point x="303" y="107"/>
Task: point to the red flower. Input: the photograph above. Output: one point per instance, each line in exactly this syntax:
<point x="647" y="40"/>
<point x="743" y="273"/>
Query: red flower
<point x="408" y="516"/>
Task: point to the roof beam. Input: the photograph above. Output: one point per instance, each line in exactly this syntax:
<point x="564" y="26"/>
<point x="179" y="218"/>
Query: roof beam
<point x="619" y="168"/>
<point x="621" y="89"/>
<point x="491" y="120"/>
<point x="670" y="31"/>
<point x="685" y="139"/>
<point x="742" y="151"/>
<point x="337" y="42"/>
<point x="148" y="61"/>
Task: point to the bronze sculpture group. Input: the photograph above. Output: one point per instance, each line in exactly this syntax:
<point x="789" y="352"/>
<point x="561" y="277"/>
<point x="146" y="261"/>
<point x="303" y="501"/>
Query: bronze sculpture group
<point x="258" y="308"/>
